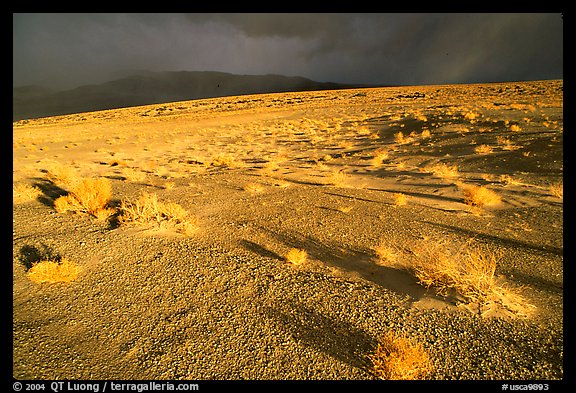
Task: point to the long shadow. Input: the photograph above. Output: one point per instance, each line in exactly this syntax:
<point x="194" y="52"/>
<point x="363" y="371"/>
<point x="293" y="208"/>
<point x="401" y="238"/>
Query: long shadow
<point x="50" y="191"/>
<point x="308" y="183"/>
<point x="502" y="240"/>
<point x="356" y="261"/>
<point x="430" y="185"/>
<point x="542" y="283"/>
<point x="114" y="220"/>
<point x="338" y="339"/>
<point x="390" y="172"/>
<point x="412" y="174"/>
<point x="421" y="195"/>
<point x="258" y="249"/>
<point x="351" y="197"/>
<point x="115" y="177"/>
<point x="32" y="254"/>
<point x="393" y="191"/>
<point x="411" y="193"/>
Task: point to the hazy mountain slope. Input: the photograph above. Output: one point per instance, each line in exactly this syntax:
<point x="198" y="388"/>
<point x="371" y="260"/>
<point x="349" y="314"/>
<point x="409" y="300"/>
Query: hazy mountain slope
<point x="151" y="88"/>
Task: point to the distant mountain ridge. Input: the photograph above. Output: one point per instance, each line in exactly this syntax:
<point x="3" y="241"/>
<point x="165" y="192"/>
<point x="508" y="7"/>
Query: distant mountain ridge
<point x="153" y="88"/>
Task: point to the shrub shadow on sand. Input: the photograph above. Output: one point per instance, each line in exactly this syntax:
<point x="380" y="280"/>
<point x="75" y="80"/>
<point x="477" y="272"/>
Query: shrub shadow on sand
<point x="338" y="339"/>
<point x="500" y="239"/>
<point x="258" y="249"/>
<point x="50" y="191"/>
<point x="29" y="255"/>
<point x="355" y="262"/>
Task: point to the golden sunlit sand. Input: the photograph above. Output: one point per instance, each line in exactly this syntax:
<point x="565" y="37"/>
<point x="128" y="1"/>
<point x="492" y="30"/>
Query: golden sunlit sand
<point x="259" y="236"/>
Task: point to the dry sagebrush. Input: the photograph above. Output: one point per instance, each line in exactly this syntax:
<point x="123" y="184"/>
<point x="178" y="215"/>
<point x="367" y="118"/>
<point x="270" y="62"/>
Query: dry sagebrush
<point x="479" y="196"/>
<point x="63" y="175"/>
<point x="147" y="209"/>
<point x="51" y="272"/>
<point x="399" y="358"/>
<point x="400" y="199"/>
<point x="89" y="196"/>
<point x="297" y="256"/>
<point x="454" y="267"/>
<point x="443" y="171"/>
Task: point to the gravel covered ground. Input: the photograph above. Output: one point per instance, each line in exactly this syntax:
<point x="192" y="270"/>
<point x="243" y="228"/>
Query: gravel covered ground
<point x="224" y="303"/>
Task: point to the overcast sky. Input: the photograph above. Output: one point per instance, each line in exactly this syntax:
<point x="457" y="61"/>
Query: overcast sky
<point x="66" y="50"/>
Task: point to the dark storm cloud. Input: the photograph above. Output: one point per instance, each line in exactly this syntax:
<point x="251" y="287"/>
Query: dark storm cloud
<point x="421" y="48"/>
<point x="355" y="48"/>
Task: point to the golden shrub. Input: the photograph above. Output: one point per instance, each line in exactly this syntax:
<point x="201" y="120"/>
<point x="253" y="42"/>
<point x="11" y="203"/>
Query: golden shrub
<point x="398" y="358"/>
<point x="148" y="209"/>
<point x="480" y="196"/>
<point x="54" y="272"/>
<point x="296" y="256"/>
<point x="90" y="196"/>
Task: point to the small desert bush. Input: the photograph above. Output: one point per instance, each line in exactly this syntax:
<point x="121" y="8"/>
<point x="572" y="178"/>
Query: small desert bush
<point x="24" y="193"/>
<point x="379" y="157"/>
<point x="401" y="139"/>
<point x="479" y="196"/>
<point x="443" y="171"/>
<point x="344" y="209"/>
<point x="270" y="167"/>
<point x="469" y="272"/>
<point x="337" y="178"/>
<point x="400" y="199"/>
<point x="399" y="358"/>
<point x="421" y="117"/>
<point x="169" y="185"/>
<point x="506" y="144"/>
<point x="471" y="116"/>
<point x="447" y="267"/>
<point x="509" y="180"/>
<point x="226" y="160"/>
<point x="253" y="188"/>
<point x="297" y="256"/>
<point x="90" y="196"/>
<point x="387" y="255"/>
<point x="63" y="175"/>
<point x="54" y="271"/>
<point x="483" y="149"/>
<point x="133" y="175"/>
<point x="147" y="209"/>
<point x="557" y="190"/>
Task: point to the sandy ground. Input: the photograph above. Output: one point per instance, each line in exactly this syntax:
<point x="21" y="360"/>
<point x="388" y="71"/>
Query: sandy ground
<point x="317" y="171"/>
